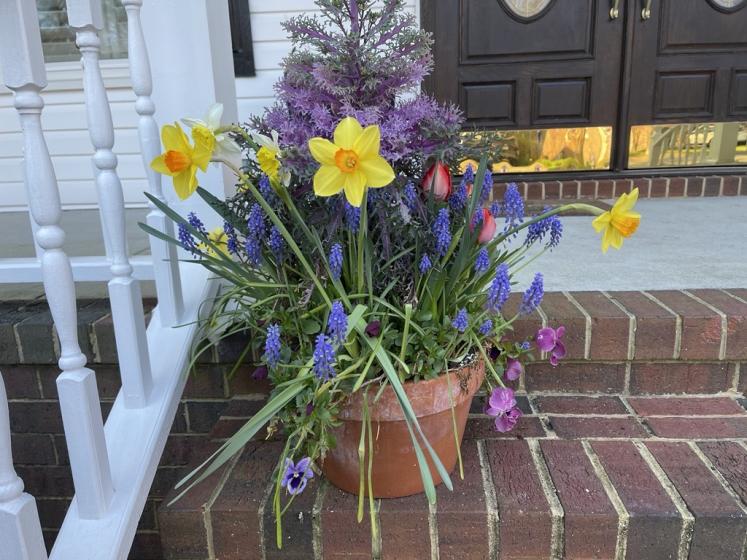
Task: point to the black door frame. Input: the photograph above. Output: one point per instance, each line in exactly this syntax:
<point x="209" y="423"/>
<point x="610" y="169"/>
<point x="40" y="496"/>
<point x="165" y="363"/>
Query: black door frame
<point x="630" y="11"/>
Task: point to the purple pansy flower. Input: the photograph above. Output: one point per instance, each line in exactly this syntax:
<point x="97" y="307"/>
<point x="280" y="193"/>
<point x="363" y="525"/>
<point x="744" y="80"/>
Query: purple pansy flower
<point x="548" y="340"/>
<point x="296" y="475"/>
<point x="514" y="369"/>
<point x="502" y="405"/>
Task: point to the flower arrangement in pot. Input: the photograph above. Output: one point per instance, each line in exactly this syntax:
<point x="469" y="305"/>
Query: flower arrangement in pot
<point x="371" y="285"/>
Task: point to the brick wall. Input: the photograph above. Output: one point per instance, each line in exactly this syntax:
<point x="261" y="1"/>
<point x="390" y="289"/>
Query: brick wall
<point x="28" y="362"/>
<point x="648" y="187"/>
<point x="619" y="343"/>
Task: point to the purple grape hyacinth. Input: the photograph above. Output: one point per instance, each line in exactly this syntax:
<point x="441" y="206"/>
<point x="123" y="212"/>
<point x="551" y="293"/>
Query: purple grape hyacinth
<point x="335" y="261"/>
<point x="499" y="290"/>
<point x="513" y="206"/>
<point x="442" y="232"/>
<point x="461" y="321"/>
<point x="482" y="261"/>
<point x="272" y="346"/>
<point x="425" y="264"/>
<point x="533" y="295"/>
<point x="337" y="323"/>
<point x="324" y="358"/>
<point x="297" y="475"/>
<point x="486" y="328"/>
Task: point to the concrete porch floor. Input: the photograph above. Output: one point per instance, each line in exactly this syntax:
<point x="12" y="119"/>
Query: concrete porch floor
<point x="681" y="243"/>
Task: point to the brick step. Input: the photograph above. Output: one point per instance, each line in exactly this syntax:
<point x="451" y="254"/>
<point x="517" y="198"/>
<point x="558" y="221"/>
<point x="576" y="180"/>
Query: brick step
<point x="605" y="476"/>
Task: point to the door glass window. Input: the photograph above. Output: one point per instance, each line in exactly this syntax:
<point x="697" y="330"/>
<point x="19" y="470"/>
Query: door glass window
<point x="526" y="8"/>
<point x="543" y="150"/>
<point x="58" y="40"/>
<point x="688" y="145"/>
<point x="728" y="4"/>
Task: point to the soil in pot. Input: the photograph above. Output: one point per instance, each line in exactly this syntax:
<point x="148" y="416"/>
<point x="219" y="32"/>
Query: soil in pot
<point x="395" y="471"/>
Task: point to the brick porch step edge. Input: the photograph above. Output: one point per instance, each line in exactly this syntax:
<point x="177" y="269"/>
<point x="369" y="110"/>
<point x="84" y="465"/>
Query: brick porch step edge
<point x="603" y="476"/>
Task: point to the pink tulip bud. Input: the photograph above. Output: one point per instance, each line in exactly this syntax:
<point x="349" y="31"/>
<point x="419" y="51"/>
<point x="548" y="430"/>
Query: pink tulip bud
<point x="437" y="177"/>
<point x="487" y="227"/>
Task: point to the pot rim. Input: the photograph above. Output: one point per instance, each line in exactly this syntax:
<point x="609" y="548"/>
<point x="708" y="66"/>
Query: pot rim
<point x="427" y="397"/>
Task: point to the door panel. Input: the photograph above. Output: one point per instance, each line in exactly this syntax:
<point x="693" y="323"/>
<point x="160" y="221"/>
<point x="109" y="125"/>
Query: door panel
<point x="527" y="63"/>
<point x="689" y="62"/>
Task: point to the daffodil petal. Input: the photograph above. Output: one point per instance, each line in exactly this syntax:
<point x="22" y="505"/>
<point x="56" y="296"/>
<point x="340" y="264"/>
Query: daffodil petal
<point x="159" y="166"/>
<point x="185" y="183"/>
<point x="615" y="238"/>
<point x="173" y="138"/>
<point x="377" y="170"/>
<point x="355" y="188"/>
<point x="367" y="144"/>
<point x="323" y="150"/>
<point x="346" y="133"/>
<point x="193" y="122"/>
<point x="601" y="221"/>
<point x="328" y="180"/>
<point x="214" y="115"/>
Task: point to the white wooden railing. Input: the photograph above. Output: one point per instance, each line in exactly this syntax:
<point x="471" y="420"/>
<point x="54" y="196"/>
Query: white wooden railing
<point x="112" y="465"/>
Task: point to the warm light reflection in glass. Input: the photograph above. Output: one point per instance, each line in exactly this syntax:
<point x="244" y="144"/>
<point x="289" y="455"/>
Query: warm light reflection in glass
<point x="538" y="151"/>
<point x="688" y="145"/>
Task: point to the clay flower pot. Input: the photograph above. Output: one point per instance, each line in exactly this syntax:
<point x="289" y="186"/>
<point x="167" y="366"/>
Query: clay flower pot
<point x="395" y="471"/>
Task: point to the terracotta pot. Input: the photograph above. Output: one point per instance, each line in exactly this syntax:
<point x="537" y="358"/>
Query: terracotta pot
<point x="395" y="471"/>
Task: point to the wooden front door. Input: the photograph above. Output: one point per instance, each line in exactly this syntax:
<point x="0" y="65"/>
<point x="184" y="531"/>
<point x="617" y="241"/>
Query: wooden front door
<point x="689" y="62"/>
<point x="527" y="63"/>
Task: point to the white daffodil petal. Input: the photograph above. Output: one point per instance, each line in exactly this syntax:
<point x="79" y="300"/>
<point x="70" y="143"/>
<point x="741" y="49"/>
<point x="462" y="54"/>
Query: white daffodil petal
<point x="194" y="122"/>
<point x="214" y="115"/>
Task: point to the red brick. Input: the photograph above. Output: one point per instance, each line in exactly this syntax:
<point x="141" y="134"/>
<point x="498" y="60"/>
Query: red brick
<point x="736" y="320"/>
<point x="677" y="186"/>
<point x="576" y="377"/>
<point x="696" y="428"/>
<point x="462" y="514"/>
<point x="655" y="526"/>
<point x="343" y="538"/>
<point x="33" y="449"/>
<point x="235" y="512"/>
<point x="38" y="417"/>
<point x="534" y="191"/>
<point x="694" y="186"/>
<point x="622" y="186"/>
<point x="525" y="326"/>
<point x="743" y="187"/>
<point x="588" y="189"/>
<point x="20" y="382"/>
<point x="184" y="449"/>
<point x="405" y="531"/>
<point x="658" y="188"/>
<point x="590" y="519"/>
<point x="580" y="405"/>
<point x="606" y="189"/>
<point x="720" y="523"/>
<point x="576" y="427"/>
<point x="208" y="382"/>
<point x="656" y="327"/>
<point x="182" y="525"/>
<point x="525" y="519"/>
<point x="552" y="190"/>
<point x="560" y="311"/>
<point x="47" y="481"/>
<point x="730" y="459"/>
<point x="610" y="326"/>
<point x="146" y="546"/>
<point x="643" y="186"/>
<point x="690" y="406"/>
<point x="484" y="428"/>
<point x="712" y="186"/>
<point x="701" y="327"/>
<point x="679" y="377"/>
<point x="731" y="185"/>
<point x="570" y="190"/>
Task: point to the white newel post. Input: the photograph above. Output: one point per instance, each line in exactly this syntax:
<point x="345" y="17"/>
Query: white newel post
<point x="192" y="61"/>
<point x="165" y="263"/>
<point x="20" y="531"/>
<point x="24" y="73"/>
<point x="85" y="17"/>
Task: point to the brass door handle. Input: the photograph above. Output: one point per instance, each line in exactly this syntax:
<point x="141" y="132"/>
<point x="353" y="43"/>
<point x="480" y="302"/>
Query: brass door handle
<point x="646" y="12"/>
<point x="615" y="9"/>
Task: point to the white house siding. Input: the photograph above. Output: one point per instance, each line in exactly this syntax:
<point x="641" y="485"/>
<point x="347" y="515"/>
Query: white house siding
<point x="64" y="118"/>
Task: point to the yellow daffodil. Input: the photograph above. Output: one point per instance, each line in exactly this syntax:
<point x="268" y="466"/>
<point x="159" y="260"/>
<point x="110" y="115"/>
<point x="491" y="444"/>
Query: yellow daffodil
<point x="218" y="238"/>
<point x="268" y="157"/>
<point x="351" y="163"/>
<point x="619" y="222"/>
<point x="225" y="145"/>
<point x="181" y="159"/>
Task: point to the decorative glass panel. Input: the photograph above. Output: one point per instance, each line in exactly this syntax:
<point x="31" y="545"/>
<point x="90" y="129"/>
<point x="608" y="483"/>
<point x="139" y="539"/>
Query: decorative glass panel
<point x="58" y="39"/>
<point x="728" y="4"/>
<point x="537" y="151"/>
<point x="526" y="8"/>
<point x="688" y="145"/>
